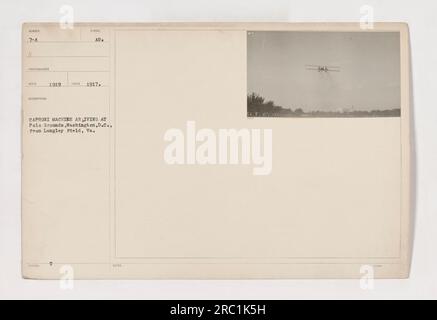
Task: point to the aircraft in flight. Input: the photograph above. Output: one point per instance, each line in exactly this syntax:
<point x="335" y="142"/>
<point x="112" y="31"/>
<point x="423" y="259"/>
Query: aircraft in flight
<point x="321" y="68"/>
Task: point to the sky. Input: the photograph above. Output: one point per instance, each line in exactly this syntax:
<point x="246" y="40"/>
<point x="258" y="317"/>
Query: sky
<point x="369" y="64"/>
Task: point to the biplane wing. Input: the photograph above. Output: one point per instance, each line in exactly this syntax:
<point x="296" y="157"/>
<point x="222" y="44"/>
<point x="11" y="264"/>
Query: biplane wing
<point x="321" y="68"/>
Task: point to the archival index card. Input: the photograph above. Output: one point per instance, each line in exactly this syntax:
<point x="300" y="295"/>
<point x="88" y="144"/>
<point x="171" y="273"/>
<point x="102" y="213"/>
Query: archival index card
<point x="215" y="151"/>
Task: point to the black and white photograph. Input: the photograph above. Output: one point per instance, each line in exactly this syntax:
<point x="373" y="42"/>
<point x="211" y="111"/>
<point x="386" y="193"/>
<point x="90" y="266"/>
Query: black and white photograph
<point x="217" y="159"/>
<point x="323" y="74"/>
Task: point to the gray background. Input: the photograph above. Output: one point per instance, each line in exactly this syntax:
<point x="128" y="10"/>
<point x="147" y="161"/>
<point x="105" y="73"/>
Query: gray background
<point x="369" y="64"/>
<point x="423" y="28"/>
